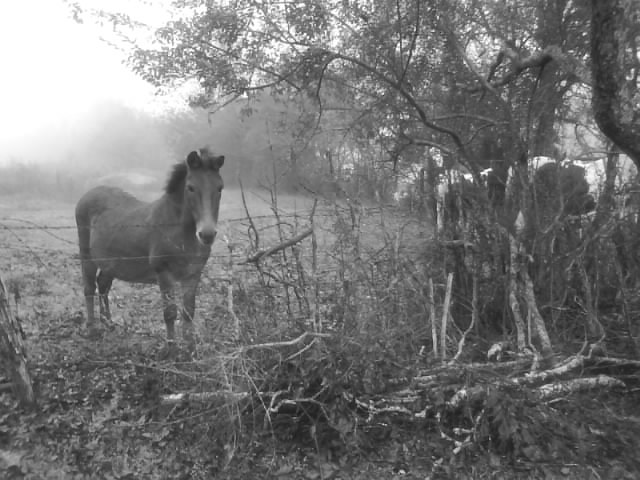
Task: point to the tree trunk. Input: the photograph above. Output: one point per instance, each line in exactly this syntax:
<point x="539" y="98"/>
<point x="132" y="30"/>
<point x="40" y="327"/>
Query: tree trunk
<point x="513" y="295"/>
<point x="431" y="193"/>
<point x="13" y="352"/>
<point x="536" y="319"/>
<point x="612" y="27"/>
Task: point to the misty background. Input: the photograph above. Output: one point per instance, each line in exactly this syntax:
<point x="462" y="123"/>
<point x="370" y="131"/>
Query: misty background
<point x="115" y="143"/>
<point x="74" y="115"/>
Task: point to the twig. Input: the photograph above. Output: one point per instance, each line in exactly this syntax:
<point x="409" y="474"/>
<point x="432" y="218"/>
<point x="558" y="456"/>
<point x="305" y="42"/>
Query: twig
<point x="314" y="271"/>
<point x="236" y="320"/>
<point x="474" y="316"/>
<point x="252" y="226"/>
<point x="301" y="351"/>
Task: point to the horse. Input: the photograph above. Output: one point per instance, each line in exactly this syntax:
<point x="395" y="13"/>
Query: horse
<point x="165" y="242"/>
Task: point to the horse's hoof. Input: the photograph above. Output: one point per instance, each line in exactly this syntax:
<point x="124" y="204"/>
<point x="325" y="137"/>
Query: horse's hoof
<point x="94" y="333"/>
<point x="191" y="350"/>
<point x="190" y="339"/>
<point x="169" y="351"/>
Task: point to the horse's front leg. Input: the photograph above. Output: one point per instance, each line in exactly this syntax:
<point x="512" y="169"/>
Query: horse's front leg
<point x="189" y="288"/>
<point x="89" y="272"/>
<point x="170" y="308"/>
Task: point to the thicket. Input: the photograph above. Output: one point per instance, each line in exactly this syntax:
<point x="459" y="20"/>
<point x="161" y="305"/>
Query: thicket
<point x="398" y="335"/>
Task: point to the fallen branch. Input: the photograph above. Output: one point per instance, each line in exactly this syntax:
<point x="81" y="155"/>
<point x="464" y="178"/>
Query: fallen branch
<point x="553" y="390"/>
<point x="615" y="362"/>
<point x="286" y="343"/>
<point x="578" y="362"/>
<point x="173" y="398"/>
<point x="569" y="365"/>
<point x="412" y="402"/>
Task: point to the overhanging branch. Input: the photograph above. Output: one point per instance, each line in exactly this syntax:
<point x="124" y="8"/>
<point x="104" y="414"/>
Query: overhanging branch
<point x="331" y="56"/>
<point x="615" y="113"/>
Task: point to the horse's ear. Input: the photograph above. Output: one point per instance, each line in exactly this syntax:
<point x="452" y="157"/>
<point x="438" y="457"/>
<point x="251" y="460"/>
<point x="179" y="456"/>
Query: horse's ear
<point x="217" y="162"/>
<point x="194" y="160"/>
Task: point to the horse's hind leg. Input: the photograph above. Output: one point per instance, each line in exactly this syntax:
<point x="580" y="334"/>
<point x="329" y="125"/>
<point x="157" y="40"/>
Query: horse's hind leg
<point x="89" y="272"/>
<point x="104" y="285"/>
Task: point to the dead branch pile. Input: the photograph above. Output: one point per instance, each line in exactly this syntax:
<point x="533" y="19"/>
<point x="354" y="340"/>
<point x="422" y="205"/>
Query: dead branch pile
<point x="460" y="385"/>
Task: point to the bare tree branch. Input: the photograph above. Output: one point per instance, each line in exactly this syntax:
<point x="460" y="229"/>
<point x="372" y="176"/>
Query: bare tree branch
<point x="281" y="246"/>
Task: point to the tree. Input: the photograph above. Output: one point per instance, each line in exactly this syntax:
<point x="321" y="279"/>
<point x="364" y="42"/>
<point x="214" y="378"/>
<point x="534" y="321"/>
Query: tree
<point x="397" y="79"/>
<point x="380" y="83"/>
<point x="615" y="60"/>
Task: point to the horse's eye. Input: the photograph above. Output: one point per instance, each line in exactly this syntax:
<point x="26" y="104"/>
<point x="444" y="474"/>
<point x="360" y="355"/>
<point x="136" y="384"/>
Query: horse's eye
<point x="219" y="189"/>
<point x="190" y="189"/>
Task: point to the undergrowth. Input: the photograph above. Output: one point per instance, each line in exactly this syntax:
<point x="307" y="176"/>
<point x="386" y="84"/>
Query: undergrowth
<point x="360" y="311"/>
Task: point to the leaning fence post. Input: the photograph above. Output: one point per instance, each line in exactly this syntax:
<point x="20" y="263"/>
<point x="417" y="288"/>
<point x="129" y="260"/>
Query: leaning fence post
<point x="445" y="318"/>
<point x="13" y="352"/>
<point x="432" y="317"/>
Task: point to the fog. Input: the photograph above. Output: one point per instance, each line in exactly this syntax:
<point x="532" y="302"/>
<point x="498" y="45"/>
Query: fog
<point x="77" y="116"/>
<point x="118" y="144"/>
<point x="73" y="113"/>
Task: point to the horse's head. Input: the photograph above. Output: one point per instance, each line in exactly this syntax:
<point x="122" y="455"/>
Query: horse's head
<point x="202" y="192"/>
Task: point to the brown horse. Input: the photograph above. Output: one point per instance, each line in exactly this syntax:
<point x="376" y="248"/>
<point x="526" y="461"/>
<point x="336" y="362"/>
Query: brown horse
<point x="165" y="242"/>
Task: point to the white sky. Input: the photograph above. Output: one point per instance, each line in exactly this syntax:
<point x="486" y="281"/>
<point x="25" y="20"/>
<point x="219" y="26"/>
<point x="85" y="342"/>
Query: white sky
<point x="54" y="69"/>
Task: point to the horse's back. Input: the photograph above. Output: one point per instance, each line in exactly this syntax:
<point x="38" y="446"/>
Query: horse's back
<point x="101" y="199"/>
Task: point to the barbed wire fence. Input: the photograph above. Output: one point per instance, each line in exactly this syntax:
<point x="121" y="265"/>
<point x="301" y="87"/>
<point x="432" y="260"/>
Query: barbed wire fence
<point x="310" y="269"/>
<point x="235" y="258"/>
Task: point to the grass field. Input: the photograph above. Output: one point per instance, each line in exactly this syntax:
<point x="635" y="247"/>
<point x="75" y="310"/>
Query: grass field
<point x="39" y="252"/>
<point x="86" y="385"/>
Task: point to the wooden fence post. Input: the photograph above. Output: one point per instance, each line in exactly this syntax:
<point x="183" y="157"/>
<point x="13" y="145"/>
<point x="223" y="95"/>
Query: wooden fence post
<point x="13" y="352"/>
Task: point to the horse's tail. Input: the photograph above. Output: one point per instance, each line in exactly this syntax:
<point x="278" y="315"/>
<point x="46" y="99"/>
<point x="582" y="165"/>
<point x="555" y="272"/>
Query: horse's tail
<point x="83" y="223"/>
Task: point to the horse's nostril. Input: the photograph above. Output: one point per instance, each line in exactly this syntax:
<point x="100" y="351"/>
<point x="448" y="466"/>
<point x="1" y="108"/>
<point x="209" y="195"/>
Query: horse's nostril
<point x="206" y="237"/>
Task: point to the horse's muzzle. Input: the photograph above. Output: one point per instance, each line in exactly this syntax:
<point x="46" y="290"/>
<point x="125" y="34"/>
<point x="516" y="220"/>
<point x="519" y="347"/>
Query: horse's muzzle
<point x="206" y="237"/>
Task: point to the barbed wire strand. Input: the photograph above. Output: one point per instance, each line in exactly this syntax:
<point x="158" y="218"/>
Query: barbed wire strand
<point x="33" y="226"/>
<point x="299" y="214"/>
<point x="76" y="256"/>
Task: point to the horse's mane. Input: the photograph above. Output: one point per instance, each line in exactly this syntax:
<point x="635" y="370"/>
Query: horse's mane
<point x="176" y="178"/>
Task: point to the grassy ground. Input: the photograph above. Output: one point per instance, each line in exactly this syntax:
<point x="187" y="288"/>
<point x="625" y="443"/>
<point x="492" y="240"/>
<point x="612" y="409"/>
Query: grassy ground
<point x="98" y="415"/>
<point x="39" y="256"/>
